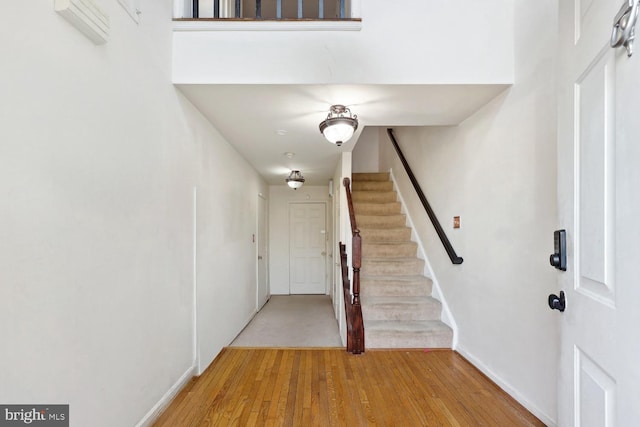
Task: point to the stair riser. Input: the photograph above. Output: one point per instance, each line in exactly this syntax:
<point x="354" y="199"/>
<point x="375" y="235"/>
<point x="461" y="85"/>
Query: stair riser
<point x="384" y="339"/>
<point x="419" y="281"/>
<point x="418" y="311"/>
<point x="385" y="235"/>
<point x="372" y="186"/>
<point x="379" y="289"/>
<point x="375" y="176"/>
<point x="381" y="221"/>
<point x="391" y="268"/>
<point x="374" y="196"/>
<point x="376" y="208"/>
<point x="382" y="250"/>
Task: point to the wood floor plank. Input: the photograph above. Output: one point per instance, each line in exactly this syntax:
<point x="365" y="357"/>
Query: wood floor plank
<point x="284" y="394"/>
<point x="293" y="389"/>
<point x="189" y="415"/>
<point x="332" y="400"/>
<point x="277" y="388"/>
<point x="418" y="403"/>
<point x="329" y="387"/>
<point x="442" y="383"/>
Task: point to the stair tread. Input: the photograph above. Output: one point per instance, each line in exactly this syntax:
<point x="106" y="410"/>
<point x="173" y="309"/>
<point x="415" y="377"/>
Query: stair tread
<point x="374" y="191"/>
<point x="399" y="300"/>
<point x="378" y="278"/>
<point x="416" y="326"/>
<point x="391" y="243"/>
<point x="379" y="244"/>
<point x="390" y="217"/>
<point x="391" y="236"/>
<point x="368" y="202"/>
<point x="373" y="227"/>
<point x="386" y="235"/>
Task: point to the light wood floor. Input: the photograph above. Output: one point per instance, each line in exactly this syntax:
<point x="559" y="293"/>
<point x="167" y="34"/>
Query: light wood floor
<point x="329" y="387"/>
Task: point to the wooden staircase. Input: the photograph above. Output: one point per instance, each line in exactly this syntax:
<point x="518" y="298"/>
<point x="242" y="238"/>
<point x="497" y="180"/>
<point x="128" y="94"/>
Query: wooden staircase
<point x="397" y="306"/>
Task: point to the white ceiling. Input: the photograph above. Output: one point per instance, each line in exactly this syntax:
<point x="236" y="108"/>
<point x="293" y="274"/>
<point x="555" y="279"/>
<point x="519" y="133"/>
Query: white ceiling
<point x="250" y="116"/>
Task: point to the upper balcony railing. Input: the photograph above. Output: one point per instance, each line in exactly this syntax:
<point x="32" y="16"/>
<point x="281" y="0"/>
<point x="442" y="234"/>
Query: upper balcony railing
<point x="267" y="9"/>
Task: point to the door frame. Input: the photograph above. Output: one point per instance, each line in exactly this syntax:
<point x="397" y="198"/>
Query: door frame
<point x="265" y="256"/>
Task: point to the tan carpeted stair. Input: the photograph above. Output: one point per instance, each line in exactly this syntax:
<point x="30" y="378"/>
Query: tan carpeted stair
<point x="397" y="306"/>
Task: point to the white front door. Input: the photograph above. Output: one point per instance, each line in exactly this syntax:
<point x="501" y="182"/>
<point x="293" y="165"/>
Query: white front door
<point x="598" y="195"/>
<point x="307" y="248"/>
<point x="263" y="285"/>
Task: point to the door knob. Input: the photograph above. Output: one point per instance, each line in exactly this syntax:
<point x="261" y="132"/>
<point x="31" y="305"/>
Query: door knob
<point x="557" y="302"/>
<point x="323" y="253"/>
<point x="259" y="257"/>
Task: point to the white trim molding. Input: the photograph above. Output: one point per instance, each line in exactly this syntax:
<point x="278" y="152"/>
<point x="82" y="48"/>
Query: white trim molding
<point x="164" y="402"/>
<point x="508" y="388"/>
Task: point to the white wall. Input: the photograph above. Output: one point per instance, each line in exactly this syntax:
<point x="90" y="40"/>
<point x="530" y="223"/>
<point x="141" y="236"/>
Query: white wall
<point x="99" y="155"/>
<point x="365" y="154"/>
<point x="397" y="44"/>
<point x="280" y="197"/>
<point x="497" y="171"/>
<point x="226" y="249"/>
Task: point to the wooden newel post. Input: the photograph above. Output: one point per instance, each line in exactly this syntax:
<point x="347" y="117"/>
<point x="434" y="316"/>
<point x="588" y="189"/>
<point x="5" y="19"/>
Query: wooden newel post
<point x="355" y="323"/>
<point x="357" y="263"/>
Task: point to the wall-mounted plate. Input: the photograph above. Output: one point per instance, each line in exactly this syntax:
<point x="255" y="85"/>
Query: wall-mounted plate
<point x="87" y="17"/>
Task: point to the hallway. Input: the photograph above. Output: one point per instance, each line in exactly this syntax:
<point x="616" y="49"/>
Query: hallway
<point x="292" y="321"/>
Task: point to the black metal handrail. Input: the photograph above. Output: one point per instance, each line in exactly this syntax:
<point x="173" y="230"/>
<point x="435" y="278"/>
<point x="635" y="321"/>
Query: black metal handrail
<point x="341" y="12"/>
<point x="432" y="216"/>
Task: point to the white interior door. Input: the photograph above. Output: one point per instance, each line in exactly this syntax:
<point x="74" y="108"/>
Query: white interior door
<point x="263" y="261"/>
<point x="307" y="248"/>
<point x="598" y="140"/>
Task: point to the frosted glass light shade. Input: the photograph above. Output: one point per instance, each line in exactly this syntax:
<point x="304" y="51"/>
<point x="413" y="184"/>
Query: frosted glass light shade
<point x="338" y="132"/>
<point x="339" y="125"/>
<point x="295" y="180"/>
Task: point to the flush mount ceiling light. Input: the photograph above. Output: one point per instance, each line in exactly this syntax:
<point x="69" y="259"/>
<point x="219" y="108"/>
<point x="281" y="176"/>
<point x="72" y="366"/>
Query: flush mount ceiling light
<point x="295" y="180"/>
<point x="339" y="125"/>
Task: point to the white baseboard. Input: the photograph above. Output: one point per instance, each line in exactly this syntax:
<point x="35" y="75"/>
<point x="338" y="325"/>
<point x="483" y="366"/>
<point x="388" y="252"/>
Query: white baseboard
<point x="507" y="388"/>
<point x="162" y="404"/>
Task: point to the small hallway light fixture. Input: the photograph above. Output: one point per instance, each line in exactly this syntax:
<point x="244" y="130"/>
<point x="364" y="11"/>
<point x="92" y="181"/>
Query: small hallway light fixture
<point x="339" y="125"/>
<point x="295" y="179"/>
